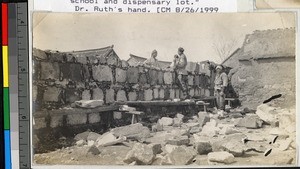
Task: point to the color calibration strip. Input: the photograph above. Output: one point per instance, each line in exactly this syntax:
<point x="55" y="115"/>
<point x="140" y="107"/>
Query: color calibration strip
<point x="6" y="109"/>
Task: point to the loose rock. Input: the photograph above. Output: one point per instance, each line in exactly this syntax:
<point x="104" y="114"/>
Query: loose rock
<point x="203" y="147"/>
<point x="165" y="121"/>
<point x="178" y="140"/>
<point x="134" y="131"/>
<point x="221" y="157"/>
<point x="141" y="153"/>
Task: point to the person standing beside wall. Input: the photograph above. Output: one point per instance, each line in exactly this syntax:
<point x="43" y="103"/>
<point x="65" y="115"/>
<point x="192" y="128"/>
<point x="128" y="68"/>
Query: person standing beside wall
<point x="180" y="62"/>
<point x="221" y="82"/>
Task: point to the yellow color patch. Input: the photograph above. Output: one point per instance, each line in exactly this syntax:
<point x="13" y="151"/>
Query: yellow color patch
<point x="5" y="65"/>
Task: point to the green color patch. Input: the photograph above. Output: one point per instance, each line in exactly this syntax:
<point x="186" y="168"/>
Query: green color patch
<point x="6" y="113"/>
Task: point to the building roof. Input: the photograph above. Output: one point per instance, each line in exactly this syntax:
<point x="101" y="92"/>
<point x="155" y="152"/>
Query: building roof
<point x="134" y="60"/>
<point x="230" y="56"/>
<point x="274" y="43"/>
<point x="100" y="52"/>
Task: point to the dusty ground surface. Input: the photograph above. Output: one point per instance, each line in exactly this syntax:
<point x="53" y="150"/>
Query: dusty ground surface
<point x="223" y="132"/>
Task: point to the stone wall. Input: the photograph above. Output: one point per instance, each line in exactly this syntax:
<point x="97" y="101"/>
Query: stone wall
<point x="61" y="79"/>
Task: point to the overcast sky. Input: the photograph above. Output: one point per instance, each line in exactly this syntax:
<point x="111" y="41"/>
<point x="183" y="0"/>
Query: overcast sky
<point x="139" y="34"/>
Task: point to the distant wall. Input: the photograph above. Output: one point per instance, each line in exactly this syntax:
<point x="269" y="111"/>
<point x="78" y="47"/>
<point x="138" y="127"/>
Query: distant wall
<point x="256" y="81"/>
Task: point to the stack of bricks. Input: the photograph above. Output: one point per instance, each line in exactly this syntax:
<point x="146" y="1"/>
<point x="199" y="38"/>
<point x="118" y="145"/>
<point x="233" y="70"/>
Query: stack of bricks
<point x="59" y="79"/>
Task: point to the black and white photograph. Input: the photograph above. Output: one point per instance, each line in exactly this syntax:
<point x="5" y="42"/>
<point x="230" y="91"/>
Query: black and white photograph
<point x="164" y="89"/>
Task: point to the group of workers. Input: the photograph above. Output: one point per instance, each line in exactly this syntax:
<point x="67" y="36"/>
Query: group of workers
<point x="179" y="65"/>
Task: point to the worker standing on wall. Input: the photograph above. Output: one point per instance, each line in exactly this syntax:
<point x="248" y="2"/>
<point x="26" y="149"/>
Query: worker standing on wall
<point x="221" y="82"/>
<point x="152" y="61"/>
<point x="180" y="62"/>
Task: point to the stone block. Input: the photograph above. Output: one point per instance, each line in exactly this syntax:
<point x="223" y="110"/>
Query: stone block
<point x="39" y="54"/>
<point x="148" y="95"/>
<point x="109" y="96"/>
<point x="52" y="94"/>
<point x="192" y="92"/>
<point x="169" y="78"/>
<point x="162" y="93"/>
<point x="132" y="75"/>
<point x="97" y="94"/>
<point x="56" y="121"/>
<point x="94" y="118"/>
<point x="74" y="119"/>
<point x="71" y="71"/>
<point x="207" y="92"/>
<point x="155" y="93"/>
<point x="124" y="64"/>
<point x="117" y="115"/>
<point x="102" y="73"/>
<point x="160" y="77"/>
<point x="132" y="96"/>
<point x="178" y="140"/>
<point x="203" y="147"/>
<point x="56" y="57"/>
<point x="143" y="79"/>
<point x="153" y="76"/>
<point x="86" y="95"/>
<point x="49" y="70"/>
<point x="121" y="75"/>
<point x="86" y="72"/>
<point x="39" y="123"/>
<point x="190" y="80"/>
<point x="221" y="157"/>
<point x="250" y="122"/>
<point x="172" y="93"/>
<point x="121" y="95"/>
<point x="197" y="80"/>
<point x="112" y="59"/>
<point x="72" y="95"/>
<point x="80" y="59"/>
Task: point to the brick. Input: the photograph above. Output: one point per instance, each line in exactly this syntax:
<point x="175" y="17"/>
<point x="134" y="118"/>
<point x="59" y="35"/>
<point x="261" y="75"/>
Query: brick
<point x="155" y="93"/>
<point x="49" y="70"/>
<point x="39" y="123"/>
<point x="160" y="77"/>
<point x="132" y="96"/>
<point x="102" y="73"/>
<point x="143" y="78"/>
<point x="207" y="92"/>
<point x="97" y="94"/>
<point x="72" y="95"/>
<point x="121" y="95"/>
<point x="132" y="75"/>
<point x="74" y="119"/>
<point x="190" y="80"/>
<point x="162" y="93"/>
<point x="56" y="121"/>
<point x="172" y="94"/>
<point x="192" y="92"/>
<point x="153" y="79"/>
<point x="117" y="115"/>
<point x="94" y="118"/>
<point x="148" y="95"/>
<point x="52" y="94"/>
<point x="197" y="80"/>
<point x="86" y="95"/>
<point x="110" y="96"/>
<point x="169" y="78"/>
<point x="121" y="75"/>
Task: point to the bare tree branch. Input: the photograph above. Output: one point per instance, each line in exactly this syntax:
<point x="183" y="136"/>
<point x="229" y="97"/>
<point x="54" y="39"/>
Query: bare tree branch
<point x="223" y="47"/>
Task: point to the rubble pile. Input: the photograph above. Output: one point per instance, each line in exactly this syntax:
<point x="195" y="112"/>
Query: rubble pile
<point x="226" y="138"/>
